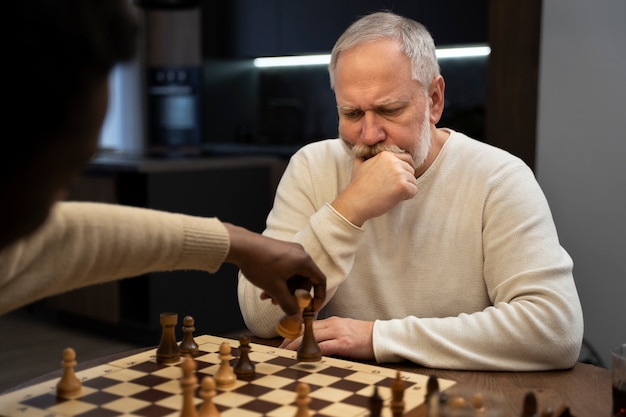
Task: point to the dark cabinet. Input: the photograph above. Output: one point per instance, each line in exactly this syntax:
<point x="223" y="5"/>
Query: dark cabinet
<point x="236" y="190"/>
<point x="252" y="28"/>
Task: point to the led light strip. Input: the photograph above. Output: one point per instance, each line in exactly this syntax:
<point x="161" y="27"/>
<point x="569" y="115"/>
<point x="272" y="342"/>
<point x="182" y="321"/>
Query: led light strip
<point x="307" y="60"/>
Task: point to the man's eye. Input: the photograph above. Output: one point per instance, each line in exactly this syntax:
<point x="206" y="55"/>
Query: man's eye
<point x="355" y="114"/>
<point x="390" y="112"/>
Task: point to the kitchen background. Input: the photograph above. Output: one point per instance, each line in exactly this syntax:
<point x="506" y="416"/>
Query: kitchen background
<point x="551" y="92"/>
<point x="247" y="109"/>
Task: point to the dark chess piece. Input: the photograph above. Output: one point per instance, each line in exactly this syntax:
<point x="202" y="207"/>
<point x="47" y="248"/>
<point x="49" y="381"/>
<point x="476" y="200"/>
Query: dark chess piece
<point x="432" y="387"/>
<point x="376" y="403"/>
<point x="397" y="396"/>
<point x="244" y="368"/>
<point x="188" y="345"/>
<point x="168" y="350"/>
<point x="309" y="351"/>
<point x="563" y="411"/>
<point x="529" y="408"/>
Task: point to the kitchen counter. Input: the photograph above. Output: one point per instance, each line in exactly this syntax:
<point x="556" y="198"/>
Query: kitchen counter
<point x="214" y="156"/>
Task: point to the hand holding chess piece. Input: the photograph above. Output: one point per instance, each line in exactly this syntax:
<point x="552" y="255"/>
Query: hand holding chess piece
<point x="287" y="327"/>
<point x="69" y="386"/>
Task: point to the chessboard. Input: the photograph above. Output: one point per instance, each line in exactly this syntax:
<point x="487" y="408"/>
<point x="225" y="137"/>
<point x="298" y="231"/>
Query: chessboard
<point x="141" y="386"/>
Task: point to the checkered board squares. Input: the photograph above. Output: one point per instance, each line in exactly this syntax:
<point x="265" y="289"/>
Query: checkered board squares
<point x="138" y="386"/>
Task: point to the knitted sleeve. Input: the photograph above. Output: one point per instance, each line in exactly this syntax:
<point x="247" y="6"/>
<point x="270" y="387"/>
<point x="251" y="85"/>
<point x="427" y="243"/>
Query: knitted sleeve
<point x="87" y="243"/>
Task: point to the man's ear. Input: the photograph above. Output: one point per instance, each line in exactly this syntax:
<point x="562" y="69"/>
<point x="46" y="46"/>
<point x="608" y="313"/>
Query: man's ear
<point x="436" y="96"/>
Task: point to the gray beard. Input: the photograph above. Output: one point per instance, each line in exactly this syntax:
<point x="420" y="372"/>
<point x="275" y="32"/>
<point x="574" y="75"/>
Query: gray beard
<point x="419" y="152"/>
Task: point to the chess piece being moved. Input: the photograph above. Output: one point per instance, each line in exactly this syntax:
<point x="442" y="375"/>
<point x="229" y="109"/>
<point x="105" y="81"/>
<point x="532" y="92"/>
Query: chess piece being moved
<point x="207" y="392"/>
<point x="309" y="350"/>
<point x="168" y="350"/>
<point x="244" y="368"/>
<point x="188" y="384"/>
<point x="288" y="328"/>
<point x="225" y="376"/>
<point x="69" y="386"/>
<point x="302" y="400"/>
<point x="188" y="345"/>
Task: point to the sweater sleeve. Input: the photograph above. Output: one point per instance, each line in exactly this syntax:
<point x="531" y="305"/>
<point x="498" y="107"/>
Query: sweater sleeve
<point x="302" y="213"/>
<point x="88" y="243"/>
<point x="535" y="321"/>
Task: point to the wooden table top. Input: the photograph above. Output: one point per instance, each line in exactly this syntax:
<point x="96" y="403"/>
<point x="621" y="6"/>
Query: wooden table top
<point x="585" y="389"/>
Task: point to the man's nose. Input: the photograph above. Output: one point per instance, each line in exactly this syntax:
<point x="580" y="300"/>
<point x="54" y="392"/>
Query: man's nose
<point x="372" y="130"/>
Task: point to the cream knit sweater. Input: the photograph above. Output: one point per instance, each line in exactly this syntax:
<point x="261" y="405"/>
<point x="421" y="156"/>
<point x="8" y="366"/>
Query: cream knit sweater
<point x="469" y="274"/>
<point x="88" y="243"/>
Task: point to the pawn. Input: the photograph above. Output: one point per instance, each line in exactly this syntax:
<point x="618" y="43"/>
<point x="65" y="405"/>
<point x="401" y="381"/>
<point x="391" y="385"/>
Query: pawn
<point x="432" y="387"/>
<point x="303" y="400"/>
<point x="397" y="396"/>
<point x="225" y="376"/>
<point x="207" y="392"/>
<point x="188" y="385"/>
<point x="188" y="345"/>
<point x="529" y="408"/>
<point x="288" y="328"/>
<point x="69" y="386"/>
<point x="244" y="368"/>
<point x="375" y="403"/>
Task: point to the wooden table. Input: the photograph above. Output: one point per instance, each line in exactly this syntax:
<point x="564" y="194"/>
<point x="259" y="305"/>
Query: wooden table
<point x="586" y="389"/>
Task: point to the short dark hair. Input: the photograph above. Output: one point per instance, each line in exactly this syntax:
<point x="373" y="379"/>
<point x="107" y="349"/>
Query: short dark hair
<point x="56" y="51"/>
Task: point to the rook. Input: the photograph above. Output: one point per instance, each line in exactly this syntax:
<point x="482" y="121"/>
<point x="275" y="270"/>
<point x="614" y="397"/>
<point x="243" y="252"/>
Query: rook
<point x="168" y="350"/>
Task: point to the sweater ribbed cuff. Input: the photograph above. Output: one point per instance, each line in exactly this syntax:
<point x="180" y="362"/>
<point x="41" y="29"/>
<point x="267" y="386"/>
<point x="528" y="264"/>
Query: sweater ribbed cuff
<point x="206" y="243"/>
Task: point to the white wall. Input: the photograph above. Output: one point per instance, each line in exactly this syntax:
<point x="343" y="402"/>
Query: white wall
<point x="581" y="152"/>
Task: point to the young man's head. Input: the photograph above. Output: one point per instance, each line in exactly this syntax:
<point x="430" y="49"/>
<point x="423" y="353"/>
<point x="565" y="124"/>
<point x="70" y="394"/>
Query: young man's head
<point x="59" y="57"/>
